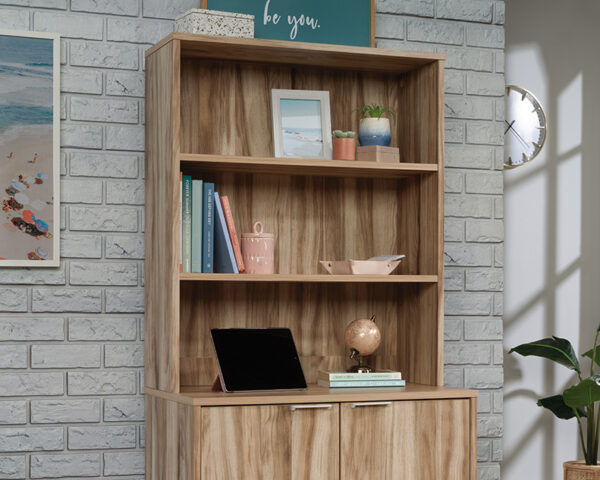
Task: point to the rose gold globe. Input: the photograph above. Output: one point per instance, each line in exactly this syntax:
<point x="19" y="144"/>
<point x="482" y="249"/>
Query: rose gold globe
<point x="362" y="337"/>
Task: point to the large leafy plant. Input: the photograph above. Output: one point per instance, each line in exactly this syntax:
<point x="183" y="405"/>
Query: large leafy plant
<point x="578" y="401"/>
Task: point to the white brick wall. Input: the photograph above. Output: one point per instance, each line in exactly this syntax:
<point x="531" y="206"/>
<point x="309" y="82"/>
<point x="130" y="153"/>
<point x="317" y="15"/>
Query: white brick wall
<point x="71" y="340"/>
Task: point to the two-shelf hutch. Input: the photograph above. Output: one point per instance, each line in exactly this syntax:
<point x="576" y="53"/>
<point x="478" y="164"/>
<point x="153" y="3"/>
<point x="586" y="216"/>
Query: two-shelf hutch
<point x="208" y="114"/>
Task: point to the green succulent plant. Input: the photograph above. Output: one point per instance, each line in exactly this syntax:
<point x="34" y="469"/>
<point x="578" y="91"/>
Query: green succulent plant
<point x="375" y="111"/>
<point x="578" y="401"/>
<point x="340" y="134"/>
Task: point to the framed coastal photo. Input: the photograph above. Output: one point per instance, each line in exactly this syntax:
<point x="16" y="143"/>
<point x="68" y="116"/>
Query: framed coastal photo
<point x="29" y="149"/>
<point x="301" y="123"/>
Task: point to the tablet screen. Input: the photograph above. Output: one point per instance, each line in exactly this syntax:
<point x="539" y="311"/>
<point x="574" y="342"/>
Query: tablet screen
<point x="258" y="359"/>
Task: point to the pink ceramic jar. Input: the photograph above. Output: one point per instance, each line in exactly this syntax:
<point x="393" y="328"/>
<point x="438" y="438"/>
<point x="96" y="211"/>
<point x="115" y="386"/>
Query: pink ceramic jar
<point x="258" y="250"/>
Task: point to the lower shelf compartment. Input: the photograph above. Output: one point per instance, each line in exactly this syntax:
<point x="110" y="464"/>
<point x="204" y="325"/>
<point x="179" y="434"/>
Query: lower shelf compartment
<point x="204" y="396"/>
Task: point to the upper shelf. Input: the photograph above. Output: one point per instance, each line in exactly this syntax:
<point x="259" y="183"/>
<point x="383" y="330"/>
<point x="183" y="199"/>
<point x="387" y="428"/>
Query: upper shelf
<point x="298" y="53"/>
<point x="305" y="166"/>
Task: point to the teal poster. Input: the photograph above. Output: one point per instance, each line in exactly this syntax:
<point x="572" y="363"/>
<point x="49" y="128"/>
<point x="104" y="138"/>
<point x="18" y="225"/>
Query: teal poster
<point x="341" y="22"/>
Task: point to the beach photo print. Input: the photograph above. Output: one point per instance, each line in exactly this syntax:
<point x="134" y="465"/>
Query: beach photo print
<point x="301" y="123"/>
<point x="29" y="149"/>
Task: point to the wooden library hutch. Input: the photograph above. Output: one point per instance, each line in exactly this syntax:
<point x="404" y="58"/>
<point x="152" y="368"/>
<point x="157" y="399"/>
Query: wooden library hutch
<point x="208" y="114"/>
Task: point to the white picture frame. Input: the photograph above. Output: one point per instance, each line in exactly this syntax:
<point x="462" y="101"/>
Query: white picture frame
<point x="301" y="128"/>
<point x="40" y="204"/>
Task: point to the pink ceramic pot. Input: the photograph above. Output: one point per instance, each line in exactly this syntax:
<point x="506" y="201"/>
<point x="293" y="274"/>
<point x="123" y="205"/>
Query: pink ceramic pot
<point x="258" y="250"/>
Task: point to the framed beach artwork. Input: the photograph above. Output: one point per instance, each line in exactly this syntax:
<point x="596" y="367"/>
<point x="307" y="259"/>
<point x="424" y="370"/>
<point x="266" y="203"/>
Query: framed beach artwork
<point x="29" y="149"/>
<point x="301" y="123"/>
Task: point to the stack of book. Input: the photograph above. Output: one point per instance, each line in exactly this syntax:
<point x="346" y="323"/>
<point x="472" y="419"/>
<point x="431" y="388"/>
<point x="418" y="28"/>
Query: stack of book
<point x="382" y="378"/>
<point x="209" y="241"/>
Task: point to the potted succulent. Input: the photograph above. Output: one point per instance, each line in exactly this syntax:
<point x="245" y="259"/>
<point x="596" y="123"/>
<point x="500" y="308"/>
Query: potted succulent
<point x="578" y="401"/>
<point x="344" y="145"/>
<point x="374" y="129"/>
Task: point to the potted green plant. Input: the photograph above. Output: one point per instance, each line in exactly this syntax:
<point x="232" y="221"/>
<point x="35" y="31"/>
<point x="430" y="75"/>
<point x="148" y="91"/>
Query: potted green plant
<point x="578" y="401"/>
<point x="374" y="129"/>
<point x="344" y="145"/>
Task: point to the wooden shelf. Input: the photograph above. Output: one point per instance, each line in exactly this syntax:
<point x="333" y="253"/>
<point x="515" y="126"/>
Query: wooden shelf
<point x="305" y="166"/>
<point x="204" y="396"/>
<point x="230" y="277"/>
<point x="298" y="53"/>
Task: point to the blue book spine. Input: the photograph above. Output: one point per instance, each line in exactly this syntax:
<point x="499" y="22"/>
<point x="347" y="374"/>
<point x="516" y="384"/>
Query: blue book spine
<point x="363" y="383"/>
<point x="187" y="224"/>
<point x="197" y="226"/>
<point x="208" y="225"/>
<point x="224" y="256"/>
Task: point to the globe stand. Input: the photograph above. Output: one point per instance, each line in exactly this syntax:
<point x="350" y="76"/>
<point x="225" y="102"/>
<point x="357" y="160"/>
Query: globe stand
<point x="360" y="368"/>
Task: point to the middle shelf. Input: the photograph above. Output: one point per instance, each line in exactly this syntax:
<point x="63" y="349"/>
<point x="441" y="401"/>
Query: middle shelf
<point x="229" y="277"/>
<point x="304" y="166"/>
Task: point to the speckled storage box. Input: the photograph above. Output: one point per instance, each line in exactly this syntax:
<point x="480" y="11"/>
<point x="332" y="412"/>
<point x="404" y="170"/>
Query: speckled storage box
<point x="213" y="22"/>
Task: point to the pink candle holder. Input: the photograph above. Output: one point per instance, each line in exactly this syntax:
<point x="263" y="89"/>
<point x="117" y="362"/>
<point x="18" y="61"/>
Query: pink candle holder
<point x="258" y="250"/>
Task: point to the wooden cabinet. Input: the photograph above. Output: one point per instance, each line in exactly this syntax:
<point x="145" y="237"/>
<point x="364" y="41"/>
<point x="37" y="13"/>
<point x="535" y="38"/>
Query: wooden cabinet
<point x="208" y="115"/>
<point x="283" y="442"/>
<point x="423" y="439"/>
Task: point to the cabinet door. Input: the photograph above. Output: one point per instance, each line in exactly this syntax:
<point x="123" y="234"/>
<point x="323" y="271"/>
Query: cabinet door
<point x="280" y="442"/>
<point x="424" y="440"/>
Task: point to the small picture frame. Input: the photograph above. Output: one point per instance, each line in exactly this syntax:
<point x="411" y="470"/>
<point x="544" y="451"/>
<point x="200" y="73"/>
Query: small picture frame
<point x="301" y="124"/>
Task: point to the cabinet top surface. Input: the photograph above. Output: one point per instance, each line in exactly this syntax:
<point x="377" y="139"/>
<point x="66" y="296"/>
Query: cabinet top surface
<point x="316" y="54"/>
<point x="203" y="396"/>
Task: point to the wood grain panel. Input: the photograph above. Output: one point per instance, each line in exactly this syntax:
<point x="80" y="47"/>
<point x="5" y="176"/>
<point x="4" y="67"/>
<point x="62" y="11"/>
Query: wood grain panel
<point x="172" y="440"/>
<point x="162" y="219"/>
<point x="303" y="166"/>
<point x="204" y="396"/>
<point x="295" y="278"/>
<point x="366" y="442"/>
<point x="431" y="439"/>
<point x="425" y="439"/>
<point x="419" y="118"/>
<point x="316" y="314"/>
<point x="299" y="53"/>
<point x="473" y="438"/>
<point x="418" y="348"/>
<point x="327" y="218"/>
<point x="270" y="441"/>
<point x="241" y="123"/>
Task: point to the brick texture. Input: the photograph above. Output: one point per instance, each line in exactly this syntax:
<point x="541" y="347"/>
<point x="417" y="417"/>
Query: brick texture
<point x="71" y="340"/>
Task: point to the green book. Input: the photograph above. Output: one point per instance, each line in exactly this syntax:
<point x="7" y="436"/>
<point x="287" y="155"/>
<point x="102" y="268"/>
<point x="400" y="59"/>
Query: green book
<point x="186" y="230"/>
<point x="197" y="226"/>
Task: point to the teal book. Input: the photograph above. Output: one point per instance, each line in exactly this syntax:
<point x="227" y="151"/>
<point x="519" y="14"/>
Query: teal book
<point x="197" y="226"/>
<point x="363" y="383"/>
<point x="208" y="227"/>
<point x="186" y="230"/>
<point x="224" y="256"/>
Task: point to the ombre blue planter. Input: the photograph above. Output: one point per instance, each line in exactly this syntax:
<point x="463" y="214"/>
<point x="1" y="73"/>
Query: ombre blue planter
<point x="374" y="131"/>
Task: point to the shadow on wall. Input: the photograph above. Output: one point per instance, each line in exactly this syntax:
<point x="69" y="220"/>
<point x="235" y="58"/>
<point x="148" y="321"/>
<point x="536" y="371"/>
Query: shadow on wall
<point x="552" y="218"/>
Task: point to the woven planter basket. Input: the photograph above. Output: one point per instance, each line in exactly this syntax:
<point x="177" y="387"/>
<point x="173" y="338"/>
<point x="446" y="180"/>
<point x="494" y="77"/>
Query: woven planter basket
<point x="580" y="471"/>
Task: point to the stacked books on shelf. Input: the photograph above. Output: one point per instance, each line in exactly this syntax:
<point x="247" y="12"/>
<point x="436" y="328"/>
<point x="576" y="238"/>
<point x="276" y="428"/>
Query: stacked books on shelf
<point x="382" y="378"/>
<point x="209" y="241"/>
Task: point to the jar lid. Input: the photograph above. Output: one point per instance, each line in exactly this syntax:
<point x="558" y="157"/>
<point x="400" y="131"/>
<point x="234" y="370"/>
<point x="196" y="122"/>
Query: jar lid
<point x="257" y="232"/>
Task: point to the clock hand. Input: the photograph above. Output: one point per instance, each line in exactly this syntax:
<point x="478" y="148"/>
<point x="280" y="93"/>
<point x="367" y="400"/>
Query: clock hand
<point x="509" y="125"/>
<point x="523" y="141"/>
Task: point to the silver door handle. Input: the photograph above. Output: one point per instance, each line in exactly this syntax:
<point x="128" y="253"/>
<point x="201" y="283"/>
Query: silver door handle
<point x="308" y="406"/>
<point x="370" y="404"/>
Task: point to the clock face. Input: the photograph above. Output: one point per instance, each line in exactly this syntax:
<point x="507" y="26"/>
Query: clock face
<point x="524" y="127"/>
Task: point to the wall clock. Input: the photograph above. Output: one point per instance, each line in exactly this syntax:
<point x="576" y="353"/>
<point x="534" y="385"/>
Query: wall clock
<point x="524" y="127"/>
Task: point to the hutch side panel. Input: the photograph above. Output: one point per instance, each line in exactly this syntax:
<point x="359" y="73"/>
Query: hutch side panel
<point x="162" y="219"/>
